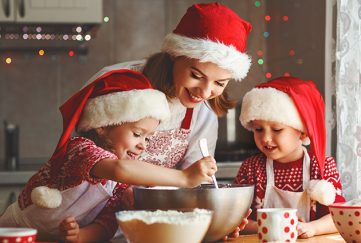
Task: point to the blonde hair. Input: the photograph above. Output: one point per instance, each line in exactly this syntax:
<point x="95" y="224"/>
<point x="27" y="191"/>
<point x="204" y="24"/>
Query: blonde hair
<point x="159" y="70"/>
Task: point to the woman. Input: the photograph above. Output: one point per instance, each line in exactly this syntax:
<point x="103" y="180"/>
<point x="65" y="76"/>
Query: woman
<point x="198" y="59"/>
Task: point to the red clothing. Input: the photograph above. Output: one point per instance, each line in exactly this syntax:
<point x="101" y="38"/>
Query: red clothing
<point x="82" y="155"/>
<point x="288" y="176"/>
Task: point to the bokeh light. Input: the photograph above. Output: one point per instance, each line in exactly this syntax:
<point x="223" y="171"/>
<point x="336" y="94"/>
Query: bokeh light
<point x="291" y="52"/>
<point x="286" y="74"/>
<point x="259" y="53"/>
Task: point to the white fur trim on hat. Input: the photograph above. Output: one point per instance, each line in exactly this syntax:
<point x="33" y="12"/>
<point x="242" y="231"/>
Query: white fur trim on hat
<point x="124" y="106"/>
<point x="322" y="191"/>
<point x="269" y="104"/>
<point x="46" y="197"/>
<point x="226" y="57"/>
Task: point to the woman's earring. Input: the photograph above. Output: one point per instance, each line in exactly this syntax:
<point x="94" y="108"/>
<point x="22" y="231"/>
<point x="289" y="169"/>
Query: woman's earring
<point x="306" y="141"/>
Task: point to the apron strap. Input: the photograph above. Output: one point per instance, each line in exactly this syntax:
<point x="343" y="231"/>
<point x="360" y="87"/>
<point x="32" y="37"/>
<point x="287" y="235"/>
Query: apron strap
<point x="270" y="186"/>
<point x="186" y="123"/>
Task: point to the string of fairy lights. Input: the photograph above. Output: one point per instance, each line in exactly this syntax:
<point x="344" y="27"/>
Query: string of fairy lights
<point x="266" y="34"/>
<point x="38" y="33"/>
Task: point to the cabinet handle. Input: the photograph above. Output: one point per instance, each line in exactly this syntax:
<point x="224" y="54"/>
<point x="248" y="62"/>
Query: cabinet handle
<point x="22" y="8"/>
<point x="6" y="7"/>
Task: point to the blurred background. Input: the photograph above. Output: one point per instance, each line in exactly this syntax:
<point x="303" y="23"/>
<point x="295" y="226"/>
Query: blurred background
<point x="49" y="48"/>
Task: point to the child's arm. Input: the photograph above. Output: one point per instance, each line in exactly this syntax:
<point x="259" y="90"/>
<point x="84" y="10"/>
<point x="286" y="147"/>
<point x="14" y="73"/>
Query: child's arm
<point x="319" y="226"/>
<point x="71" y="232"/>
<point x="137" y="172"/>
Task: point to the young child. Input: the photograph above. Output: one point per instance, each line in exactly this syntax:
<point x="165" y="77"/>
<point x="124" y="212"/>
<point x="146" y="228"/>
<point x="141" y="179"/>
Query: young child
<point x="284" y="114"/>
<point x="114" y="116"/>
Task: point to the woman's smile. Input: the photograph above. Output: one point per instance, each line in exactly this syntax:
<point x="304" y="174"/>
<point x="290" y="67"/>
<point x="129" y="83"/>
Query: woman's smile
<point x="194" y="98"/>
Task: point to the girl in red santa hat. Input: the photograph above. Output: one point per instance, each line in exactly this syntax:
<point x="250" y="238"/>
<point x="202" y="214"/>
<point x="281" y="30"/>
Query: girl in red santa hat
<point x="205" y="52"/>
<point x="284" y="114"/>
<point x="115" y="117"/>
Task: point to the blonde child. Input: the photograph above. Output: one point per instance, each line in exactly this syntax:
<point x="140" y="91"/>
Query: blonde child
<point x="284" y="114"/>
<point x="114" y="115"/>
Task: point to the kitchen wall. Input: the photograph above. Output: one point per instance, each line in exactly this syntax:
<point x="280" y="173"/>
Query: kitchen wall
<point x="33" y="87"/>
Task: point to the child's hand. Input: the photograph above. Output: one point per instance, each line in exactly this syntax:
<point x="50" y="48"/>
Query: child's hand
<point x="305" y="230"/>
<point x="69" y="229"/>
<point x="200" y="171"/>
<point x="241" y="227"/>
<point x="127" y="199"/>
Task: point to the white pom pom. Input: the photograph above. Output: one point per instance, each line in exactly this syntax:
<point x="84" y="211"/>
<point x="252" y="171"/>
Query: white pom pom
<point x="306" y="141"/>
<point x="46" y="197"/>
<point x="322" y="191"/>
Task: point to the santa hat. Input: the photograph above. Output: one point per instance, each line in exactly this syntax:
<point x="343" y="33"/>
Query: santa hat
<point x="212" y="33"/>
<point x="114" y="98"/>
<point x="296" y="103"/>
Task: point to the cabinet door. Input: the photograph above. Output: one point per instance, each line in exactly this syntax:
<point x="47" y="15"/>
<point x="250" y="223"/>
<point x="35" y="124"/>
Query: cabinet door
<point x="7" y="10"/>
<point x="59" y="11"/>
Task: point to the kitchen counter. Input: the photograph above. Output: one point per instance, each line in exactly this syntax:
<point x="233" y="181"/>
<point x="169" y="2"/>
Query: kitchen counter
<point x="331" y="238"/>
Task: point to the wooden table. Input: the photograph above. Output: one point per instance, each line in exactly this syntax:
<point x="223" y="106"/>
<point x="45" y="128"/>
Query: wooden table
<point x="331" y="238"/>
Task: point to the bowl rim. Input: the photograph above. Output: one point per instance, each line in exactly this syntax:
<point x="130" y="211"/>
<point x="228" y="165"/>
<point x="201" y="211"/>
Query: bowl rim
<point x="208" y="186"/>
<point x="342" y="205"/>
<point x="17" y="232"/>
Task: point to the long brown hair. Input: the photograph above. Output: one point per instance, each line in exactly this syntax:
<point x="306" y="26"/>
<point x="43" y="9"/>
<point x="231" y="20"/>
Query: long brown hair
<point x="159" y="70"/>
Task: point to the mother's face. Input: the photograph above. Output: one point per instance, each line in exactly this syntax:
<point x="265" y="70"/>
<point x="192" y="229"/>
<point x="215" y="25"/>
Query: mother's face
<point x="198" y="81"/>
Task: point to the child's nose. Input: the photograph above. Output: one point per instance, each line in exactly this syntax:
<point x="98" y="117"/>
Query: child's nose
<point x="141" y="145"/>
<point x="267" y="137"/>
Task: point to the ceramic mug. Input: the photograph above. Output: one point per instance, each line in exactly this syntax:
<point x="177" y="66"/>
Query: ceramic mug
<point x="277" y="224"/>
<point x="17" y="235"/>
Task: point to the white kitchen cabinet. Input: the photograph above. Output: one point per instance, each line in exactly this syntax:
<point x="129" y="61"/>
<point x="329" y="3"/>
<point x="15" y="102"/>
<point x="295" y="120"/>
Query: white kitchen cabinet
<point x="9" y="194"/>
<point x="51" y="11"/>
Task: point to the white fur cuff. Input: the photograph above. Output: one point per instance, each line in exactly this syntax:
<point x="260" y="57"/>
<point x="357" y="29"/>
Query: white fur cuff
<point x="46" y="197"/>
<point x="322" y="191"/>
<point x="205" y="50"/>
<point x="269" y="104"/>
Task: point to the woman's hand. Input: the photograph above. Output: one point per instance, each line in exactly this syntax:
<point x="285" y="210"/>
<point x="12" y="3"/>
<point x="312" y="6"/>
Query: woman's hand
<point x="241" y="227"/>
<point x="69" y="229"/>
<point x="200" y="171"/>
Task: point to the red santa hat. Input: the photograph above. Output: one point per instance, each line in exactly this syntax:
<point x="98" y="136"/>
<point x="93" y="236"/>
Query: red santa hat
<point x="212" y="33"/>
<point x="296" y="103"/>
<point x="114" y="98"/>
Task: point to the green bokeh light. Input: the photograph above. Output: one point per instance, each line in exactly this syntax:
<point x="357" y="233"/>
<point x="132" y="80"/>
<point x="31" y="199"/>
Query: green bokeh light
<point x="260" y="61"/>
<point x="257" y="4"/>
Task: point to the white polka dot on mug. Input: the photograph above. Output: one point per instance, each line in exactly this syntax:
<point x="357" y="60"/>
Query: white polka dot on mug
<point x="277" y="224"/>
